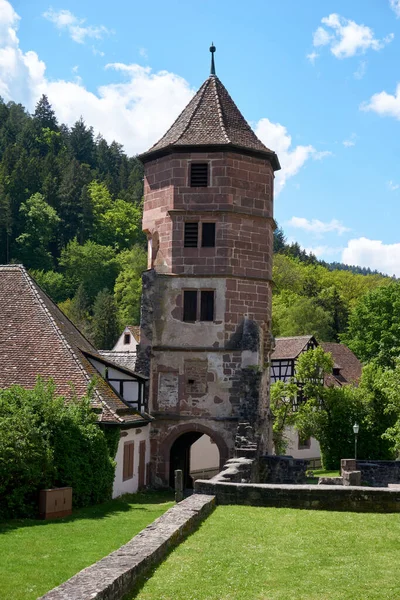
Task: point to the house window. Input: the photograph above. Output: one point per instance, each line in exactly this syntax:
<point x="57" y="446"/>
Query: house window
<point x="127" y="470"/>
<point x="304" y="443"/>
<point x="191" y="235"/>
<point x="190" y="305"/>
<point x="127" y="338"/>
<point x="197" y="308"/>
<point x="207" y="305"/>
<point x="199" y="175"/>
<point x="208" y="235"/>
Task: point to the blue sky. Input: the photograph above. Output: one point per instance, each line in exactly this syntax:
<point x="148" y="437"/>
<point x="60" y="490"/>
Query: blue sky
<point x="317" y="81"/>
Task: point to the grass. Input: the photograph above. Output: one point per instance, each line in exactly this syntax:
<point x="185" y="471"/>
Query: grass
<point x="248" y="553"/>
<point x="324" y="473"/>
<point x="36" y="556"/>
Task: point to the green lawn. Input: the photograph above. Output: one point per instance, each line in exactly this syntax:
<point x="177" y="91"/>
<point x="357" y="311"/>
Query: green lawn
<point x="35" y="556"/>
<point x="247" y="553"/>
<point x="324" y="473"/>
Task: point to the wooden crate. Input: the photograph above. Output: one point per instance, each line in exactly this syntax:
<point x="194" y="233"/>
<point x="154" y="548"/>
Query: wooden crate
<point x="55" y="502"/>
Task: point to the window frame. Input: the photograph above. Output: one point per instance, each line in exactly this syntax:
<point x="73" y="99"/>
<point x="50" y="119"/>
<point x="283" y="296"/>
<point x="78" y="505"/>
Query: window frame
<point x="127" y="336"/>
<point x="199" y="292"/>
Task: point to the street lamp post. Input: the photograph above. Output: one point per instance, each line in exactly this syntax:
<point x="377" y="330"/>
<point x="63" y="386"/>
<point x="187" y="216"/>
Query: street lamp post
<point x="356" y="428"/>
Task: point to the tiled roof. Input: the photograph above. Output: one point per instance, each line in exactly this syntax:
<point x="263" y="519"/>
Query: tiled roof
<point x="290" y="347"/>
<point x="345" y="360"/>
<point x="36" y="338"/>
<point x="211" y="119"/>
<point x="135" y="331"/>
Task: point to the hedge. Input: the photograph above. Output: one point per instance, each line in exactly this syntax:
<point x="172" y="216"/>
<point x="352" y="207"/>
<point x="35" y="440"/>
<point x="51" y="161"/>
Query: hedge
<point x="48" y="442"/>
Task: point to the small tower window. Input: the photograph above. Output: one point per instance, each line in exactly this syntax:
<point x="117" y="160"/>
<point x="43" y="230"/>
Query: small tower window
<point x="207" y="305"/>
<point x="127" y="338"/>
<point x="208" y="235"/>
<point x="199" y="175"/>
<point x="190" y="305"/>
<point x="191" y="235"/>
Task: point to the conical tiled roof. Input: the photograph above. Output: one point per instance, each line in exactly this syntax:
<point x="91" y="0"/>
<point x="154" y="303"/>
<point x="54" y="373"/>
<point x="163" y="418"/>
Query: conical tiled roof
<point x="211" y="119"/>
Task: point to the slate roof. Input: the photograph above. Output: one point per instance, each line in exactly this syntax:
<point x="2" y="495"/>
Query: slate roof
<point x="121" y="358"/>
<point x="211" y="119"/>
<point x="345" y="360"/>
<point x="36" y="338"/>
<point x="287" y="348"/>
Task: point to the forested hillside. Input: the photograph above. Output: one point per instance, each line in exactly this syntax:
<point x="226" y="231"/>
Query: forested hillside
<point x="311" y="297"/>
<point x="70" y="211"/>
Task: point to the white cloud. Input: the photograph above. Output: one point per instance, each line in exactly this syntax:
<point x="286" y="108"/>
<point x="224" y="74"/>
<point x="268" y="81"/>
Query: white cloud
<point x="374" y="254"/>
<point x="324" y="251"/>
<point x="292" y="159"/>
<point x="384" y="104"/>
<point x="351" y="141"/>
<point x="393" y="186"/>
<point x="346" y="37"/>
<point x="395" y="6"/>
<point x="135" y="112"/>
<point x="78" y="31"/>
<point x="143" y="53"/>
<point x="312" y="57"/>
<point x="317" y="227"/>
<point x="361" y="70"/>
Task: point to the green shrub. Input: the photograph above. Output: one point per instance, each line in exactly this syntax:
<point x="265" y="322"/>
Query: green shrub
<point x="45" y="442"/>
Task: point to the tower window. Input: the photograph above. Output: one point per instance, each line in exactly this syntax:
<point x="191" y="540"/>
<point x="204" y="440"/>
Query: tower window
<point x="206" y="305"/>
<point x="191" y="235"/>
<point x="199" y="175"/>
<point x="190" y="305"/>
<point x="208" y="235"/>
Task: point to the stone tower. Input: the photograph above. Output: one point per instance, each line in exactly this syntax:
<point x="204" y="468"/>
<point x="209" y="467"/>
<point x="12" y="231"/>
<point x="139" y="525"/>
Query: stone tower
<point x="206" y="307"/>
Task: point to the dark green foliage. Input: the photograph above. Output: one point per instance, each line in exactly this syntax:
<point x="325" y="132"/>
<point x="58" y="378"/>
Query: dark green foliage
<point x="329" y="413"/>
<point x="45" y="442"/>
<point x="374" y="326"/>
<point x="112" y="435"/>
<point x="105" y="328"/>
<point x="52" y="283"/>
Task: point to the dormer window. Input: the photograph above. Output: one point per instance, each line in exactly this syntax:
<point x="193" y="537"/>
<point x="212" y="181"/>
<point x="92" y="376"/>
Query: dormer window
<point x="199" y="175"/>
<point x="127" y="338"/>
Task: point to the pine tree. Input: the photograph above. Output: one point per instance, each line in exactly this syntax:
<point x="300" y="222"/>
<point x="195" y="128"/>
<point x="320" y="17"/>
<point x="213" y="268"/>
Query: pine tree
<point x="44" y="115"/>
<point x="105" y="328"/>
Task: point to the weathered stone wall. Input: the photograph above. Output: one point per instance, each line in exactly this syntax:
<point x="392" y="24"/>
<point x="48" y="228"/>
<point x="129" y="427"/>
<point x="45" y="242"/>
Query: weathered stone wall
<point x="116" y="575"/>
<point x="316" y="497"/>
<point x="379" y="473"/>
<point x="282" y="469"/>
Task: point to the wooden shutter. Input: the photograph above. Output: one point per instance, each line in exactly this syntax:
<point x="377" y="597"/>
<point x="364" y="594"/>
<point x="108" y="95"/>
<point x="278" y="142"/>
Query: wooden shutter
<point x="191" y="234"/>
<point x="127" y="469"/>
<point x="207" y="305"/>
<point x="142" y="464"/>
<point x="190" y="305"/>
<point x="199" y="175"/>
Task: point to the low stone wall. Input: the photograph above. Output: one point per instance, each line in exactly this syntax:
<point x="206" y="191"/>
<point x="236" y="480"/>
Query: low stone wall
<point x="116" y="575"/>
<point x="379" y="473"/>
<point x="282" y="469"/>
<point x="319" y="497"/>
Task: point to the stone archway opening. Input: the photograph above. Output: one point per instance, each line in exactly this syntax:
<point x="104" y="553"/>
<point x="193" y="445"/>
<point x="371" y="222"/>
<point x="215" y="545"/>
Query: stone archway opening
<point x="197" y="455"/>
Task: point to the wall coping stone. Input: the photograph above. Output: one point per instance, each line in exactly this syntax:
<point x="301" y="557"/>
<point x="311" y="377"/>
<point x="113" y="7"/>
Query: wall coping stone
<point x="318" y="497"/>
<point x="115" y="575"/>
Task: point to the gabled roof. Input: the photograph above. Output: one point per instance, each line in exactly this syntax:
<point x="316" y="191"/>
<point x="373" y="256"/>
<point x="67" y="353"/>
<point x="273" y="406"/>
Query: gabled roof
<point x="36" y="338"/>
<point x="211" y="119"/>
<point x="135" y="331"/>
<point x="350" y="368"/>
<point x="121" y="358"/>
<point x="289" y="348"/>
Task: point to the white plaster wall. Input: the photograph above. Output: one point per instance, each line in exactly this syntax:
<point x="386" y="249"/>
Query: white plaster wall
<point x="121" y="347"/>
<point x="293" y="450"/>
<point x="130" y="485"/>
<point x="204" y="454"/>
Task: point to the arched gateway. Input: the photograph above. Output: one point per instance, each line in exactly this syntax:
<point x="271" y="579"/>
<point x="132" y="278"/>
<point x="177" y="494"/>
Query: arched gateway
<point x="206" y="304"/>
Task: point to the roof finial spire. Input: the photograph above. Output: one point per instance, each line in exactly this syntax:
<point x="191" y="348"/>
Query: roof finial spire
<point x="212" y="50"/>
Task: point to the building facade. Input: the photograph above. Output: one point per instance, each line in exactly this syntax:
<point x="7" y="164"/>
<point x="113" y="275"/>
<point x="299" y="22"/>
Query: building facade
<point x="206" y="305"/>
